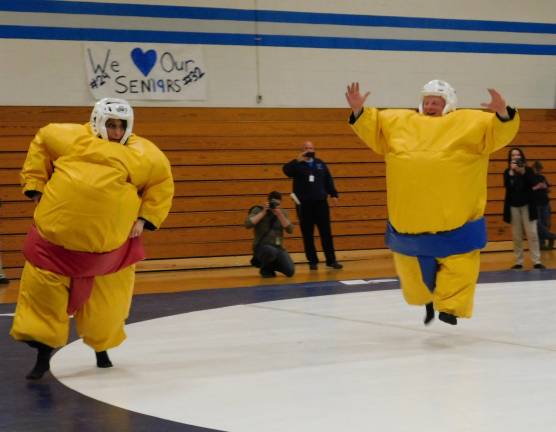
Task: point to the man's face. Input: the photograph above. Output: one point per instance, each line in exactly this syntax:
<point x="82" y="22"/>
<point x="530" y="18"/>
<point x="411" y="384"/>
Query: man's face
<point x="115" y="128"/>
<point x="308" y="147"/>
<point x="433" y="105"/>
<point x="274" y="203"/>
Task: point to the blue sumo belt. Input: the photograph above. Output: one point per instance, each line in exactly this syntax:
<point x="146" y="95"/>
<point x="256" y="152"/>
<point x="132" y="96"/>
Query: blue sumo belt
<point x="427" y="247"/>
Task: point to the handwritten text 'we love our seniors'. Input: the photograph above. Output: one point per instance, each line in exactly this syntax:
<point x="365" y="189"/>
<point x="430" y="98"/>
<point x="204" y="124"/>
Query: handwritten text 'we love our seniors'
<point x="172" y="76"/>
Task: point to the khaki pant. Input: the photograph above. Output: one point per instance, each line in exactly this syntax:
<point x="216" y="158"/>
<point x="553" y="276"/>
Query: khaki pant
<point x="43" y="299"/>
<point x="520" y="223"/>
<point x="455" y="282"/>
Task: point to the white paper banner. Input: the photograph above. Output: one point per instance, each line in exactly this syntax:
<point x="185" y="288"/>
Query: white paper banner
<point x="145" y="71"/>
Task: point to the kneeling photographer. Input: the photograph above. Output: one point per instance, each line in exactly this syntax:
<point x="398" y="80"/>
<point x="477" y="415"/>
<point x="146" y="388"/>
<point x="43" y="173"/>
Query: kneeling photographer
<point x="269" y="222"/>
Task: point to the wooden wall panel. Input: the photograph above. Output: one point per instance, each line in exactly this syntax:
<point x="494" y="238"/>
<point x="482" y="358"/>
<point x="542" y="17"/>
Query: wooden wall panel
<point x="227" y="159"/>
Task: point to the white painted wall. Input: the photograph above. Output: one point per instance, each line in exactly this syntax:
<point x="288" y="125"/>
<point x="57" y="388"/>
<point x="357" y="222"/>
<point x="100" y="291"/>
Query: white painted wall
<point x="319" y="77"/>
<point x="35" y="72"/>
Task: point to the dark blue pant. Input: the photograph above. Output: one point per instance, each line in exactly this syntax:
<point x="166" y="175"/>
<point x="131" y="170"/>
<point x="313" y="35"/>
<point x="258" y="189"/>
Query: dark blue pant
<point x="543" y="223"/>
<point x="311" y="213"/>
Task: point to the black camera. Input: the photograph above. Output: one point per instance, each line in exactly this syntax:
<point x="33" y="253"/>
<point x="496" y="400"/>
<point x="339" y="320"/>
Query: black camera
<point x="310" y="154"/>
<point x="273" y="203"/>
<point x="519" y="162"/>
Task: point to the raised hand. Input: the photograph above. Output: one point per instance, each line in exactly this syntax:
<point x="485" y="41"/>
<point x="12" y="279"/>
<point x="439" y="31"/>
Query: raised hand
<point x="355" y="99"/>
<point x="496" y="104"/>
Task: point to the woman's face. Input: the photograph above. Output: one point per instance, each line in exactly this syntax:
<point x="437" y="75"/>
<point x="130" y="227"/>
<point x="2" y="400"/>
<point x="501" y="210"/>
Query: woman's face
<point x="515" y="154"/>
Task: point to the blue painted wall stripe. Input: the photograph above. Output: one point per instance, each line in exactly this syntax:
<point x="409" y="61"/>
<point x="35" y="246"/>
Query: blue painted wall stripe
<point x="407" y="45"/>
<point x="138" y="10"/>
<point x="91" y="34"/>
<point x="159" y="11"/>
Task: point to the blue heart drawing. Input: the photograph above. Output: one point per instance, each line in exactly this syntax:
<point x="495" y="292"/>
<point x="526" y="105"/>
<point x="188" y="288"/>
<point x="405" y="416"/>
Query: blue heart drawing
<point x="143" y="60"/>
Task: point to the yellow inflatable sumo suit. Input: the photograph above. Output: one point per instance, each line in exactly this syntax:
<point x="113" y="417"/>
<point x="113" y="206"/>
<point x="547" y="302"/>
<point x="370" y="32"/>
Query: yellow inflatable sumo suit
<point x="93" y="191"/>
<point x="436" y="183"/>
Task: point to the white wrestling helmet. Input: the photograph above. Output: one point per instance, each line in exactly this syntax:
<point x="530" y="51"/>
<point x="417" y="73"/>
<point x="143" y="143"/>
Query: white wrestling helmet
<point x="111" y="108"/>
<point x="442" y="89"/>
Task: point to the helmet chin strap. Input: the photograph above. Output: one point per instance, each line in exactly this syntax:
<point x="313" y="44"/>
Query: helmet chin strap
<point x="111" y="140"/>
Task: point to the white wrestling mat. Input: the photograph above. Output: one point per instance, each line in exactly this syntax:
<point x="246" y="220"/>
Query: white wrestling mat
<point x="348" y="362"/>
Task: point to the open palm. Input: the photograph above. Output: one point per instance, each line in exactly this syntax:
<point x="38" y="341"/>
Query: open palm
<point x="354" y="97"/>
<point x="497" y="103"/>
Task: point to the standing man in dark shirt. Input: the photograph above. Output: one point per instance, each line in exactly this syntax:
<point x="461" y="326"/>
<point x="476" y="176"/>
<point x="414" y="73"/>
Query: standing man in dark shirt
<point x="520" y="209"/>
<point x="312" y="183"/>
<point x="542" y="202"/>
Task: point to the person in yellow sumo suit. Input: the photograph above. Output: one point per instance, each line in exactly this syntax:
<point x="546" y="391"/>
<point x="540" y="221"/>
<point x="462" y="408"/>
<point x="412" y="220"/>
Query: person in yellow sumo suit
<point x="97" y="186"/>
<point x="436" y="182"/>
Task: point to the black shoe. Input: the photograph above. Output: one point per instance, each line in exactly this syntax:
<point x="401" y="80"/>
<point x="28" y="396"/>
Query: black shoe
<point x="430" y="313"/>
<point x="103" y="361"/>
<point x="313" y="266"/>
<point x="539" y="266"/>
<point x="42" y="365"/>
<point x="4" y="280"/>
<point x="448" y="318"/>
<point x="267" y="274"/>
<point x="517" y="267"/>
<point x="335" y="265"/>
